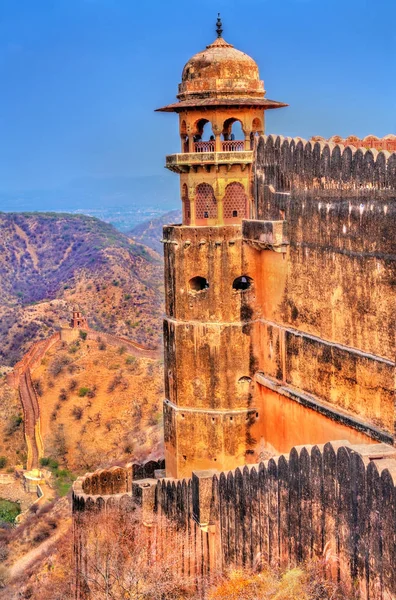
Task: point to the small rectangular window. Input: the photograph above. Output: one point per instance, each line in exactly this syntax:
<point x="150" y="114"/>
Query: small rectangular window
<point x="206" y="215"/>
<point x="234" y="213"/>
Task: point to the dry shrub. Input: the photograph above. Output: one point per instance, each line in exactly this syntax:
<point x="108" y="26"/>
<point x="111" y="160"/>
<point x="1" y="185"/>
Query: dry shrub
<point x="118" y="381"/>
<point x="77" y="412"/>
<point x="58" y="365"/>
<point x="126" y="560"/>
<point x="4" y="576"/>
<point x="55" y="574"/>
<point x="302" y="583"/>
<point x="42" y="533"/>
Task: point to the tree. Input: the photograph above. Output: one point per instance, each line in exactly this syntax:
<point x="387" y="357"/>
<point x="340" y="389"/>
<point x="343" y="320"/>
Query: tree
<point x="124" y="559"/>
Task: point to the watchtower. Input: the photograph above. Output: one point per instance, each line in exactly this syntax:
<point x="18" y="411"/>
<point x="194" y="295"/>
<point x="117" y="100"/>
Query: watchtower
<point x="208" y="406"/>
<point x="78" y="321"/>
<point x="220" y="89"/>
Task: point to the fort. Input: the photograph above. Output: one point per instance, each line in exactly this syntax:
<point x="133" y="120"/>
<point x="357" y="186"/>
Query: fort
<point x="279" y="413"/>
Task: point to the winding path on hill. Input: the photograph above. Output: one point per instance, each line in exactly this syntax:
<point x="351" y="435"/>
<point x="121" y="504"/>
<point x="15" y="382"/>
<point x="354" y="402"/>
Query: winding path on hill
<point x="22" y="379"/>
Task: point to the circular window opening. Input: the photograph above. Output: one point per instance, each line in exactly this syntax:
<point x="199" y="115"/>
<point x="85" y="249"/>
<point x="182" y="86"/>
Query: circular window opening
<point x="198" y="284"/>
<point x="245" y="379"/>
<point x="242" y="283"/>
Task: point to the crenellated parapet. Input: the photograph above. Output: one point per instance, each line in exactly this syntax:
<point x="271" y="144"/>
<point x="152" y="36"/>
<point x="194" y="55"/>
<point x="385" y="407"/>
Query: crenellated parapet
<point x="337" y="500"/>
<point x="291" y="162"/>
<point x="110" y="487"/>
<point x="388" y="142"/>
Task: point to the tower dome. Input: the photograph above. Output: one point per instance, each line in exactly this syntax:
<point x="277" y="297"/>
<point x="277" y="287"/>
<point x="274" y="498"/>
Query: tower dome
<point x="220" y="71"/>
<point x="220" y="76"/>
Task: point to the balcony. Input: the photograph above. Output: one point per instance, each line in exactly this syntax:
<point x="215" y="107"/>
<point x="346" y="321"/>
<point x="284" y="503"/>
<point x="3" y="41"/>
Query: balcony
<point x="229" y="146"/>
<point x="181" y="163"/>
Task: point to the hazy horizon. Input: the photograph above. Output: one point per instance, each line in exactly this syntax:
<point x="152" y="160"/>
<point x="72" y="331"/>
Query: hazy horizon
<point x="81" y="80"/>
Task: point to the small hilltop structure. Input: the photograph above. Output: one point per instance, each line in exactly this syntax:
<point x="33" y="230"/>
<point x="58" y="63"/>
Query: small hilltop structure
<point x="78" y="320"/>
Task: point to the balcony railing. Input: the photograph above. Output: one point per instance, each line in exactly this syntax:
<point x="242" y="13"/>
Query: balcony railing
<point x="204" y="146"/>
<point x="186" y="159"/>
<point x="233" y="146"/>
<point x="228" y="146"/>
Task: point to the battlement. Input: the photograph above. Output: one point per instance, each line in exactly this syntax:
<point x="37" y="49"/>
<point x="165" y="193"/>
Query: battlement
<point x="337" y="498"/>
<point x="388" y="142"/>
<point x="324" y="165"/>
<point x="113" y="481"/>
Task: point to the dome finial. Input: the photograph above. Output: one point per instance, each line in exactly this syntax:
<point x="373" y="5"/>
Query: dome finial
<point x="219" y="26"/>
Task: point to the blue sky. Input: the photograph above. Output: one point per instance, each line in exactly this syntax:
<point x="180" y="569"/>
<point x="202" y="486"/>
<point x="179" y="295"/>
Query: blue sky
<point x="80" y="79"/>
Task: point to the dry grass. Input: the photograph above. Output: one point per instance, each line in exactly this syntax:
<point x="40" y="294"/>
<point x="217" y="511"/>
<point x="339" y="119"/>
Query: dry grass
<point x="301" y="583"/>
<point x="101" y="407"/>
<point x="12" y="443"/>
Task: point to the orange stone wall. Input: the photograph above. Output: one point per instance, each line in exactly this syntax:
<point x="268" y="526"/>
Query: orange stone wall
<point x="311" y="339"/>
<point x="330" y="300"/>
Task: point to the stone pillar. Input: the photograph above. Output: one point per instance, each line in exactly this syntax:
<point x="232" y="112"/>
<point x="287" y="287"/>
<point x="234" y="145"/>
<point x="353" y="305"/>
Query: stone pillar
<point x="143" y="492"/>
<point x="219" y="194"/>
<point x="191" y="196"/>
<point x="247" y="140"/>
<point x="202" y="482"/>
<point x="191" y="143"/>
<point x="218" y="147"/>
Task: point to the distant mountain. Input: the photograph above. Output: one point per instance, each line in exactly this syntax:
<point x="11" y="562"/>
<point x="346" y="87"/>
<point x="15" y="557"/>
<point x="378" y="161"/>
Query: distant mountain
<point x="149" y="232"/>
<point x="50" y="261"/>
<point x="122" y="201"/>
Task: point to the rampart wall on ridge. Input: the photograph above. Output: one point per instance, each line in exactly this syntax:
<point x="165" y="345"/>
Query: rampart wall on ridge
<point x="21" y="378"/>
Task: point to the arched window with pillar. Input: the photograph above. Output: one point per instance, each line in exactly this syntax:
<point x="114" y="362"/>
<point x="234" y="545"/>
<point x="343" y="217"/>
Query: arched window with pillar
<point x="234" y="203"/>
<point x="204" y="138"/>
<point x="186" y="205"/>
<point x="233" y="137"/>
<point x="205" y="202"/>
<point x="257" y="129"/>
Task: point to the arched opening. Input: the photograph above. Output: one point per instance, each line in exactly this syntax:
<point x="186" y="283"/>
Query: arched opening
<point x="233" y="137"/>
<point x="184" y="136"/>
<point x="184" y="143"/>
<point x="186" y="205"/>
<point x="183" y="127"/>
<point x="257" y="126"/>
<point x="242" y="283"/>
<point x="253" y="138"/>
<point x="205" y="202"/>
<point x="198" y="284"/>
<point x="204" y="139"/>
<point x="234" y="203"/>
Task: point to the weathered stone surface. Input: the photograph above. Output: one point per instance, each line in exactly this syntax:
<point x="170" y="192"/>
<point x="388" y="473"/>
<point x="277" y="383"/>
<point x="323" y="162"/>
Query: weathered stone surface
<point x="329" y="501"/>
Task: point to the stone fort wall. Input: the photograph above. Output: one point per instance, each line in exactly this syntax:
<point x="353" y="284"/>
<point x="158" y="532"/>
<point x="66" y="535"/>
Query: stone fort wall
<point x="335" y="500"/>
<point x="320" y="329"/>
<point x="328" y="304"/>
<point x="20" y="378"/>
<point x="32" y="358"/>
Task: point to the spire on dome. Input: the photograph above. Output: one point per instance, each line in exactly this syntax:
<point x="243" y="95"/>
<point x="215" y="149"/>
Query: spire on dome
<point x="219" y="26"/>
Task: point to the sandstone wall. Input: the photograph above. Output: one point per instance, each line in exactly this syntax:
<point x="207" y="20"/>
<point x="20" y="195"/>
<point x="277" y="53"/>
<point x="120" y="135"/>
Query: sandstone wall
<point x="129" y="345"/>
<point x="207" y="340"/>
<point x="336" y="501"/>
<point x="328" y="317"/>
